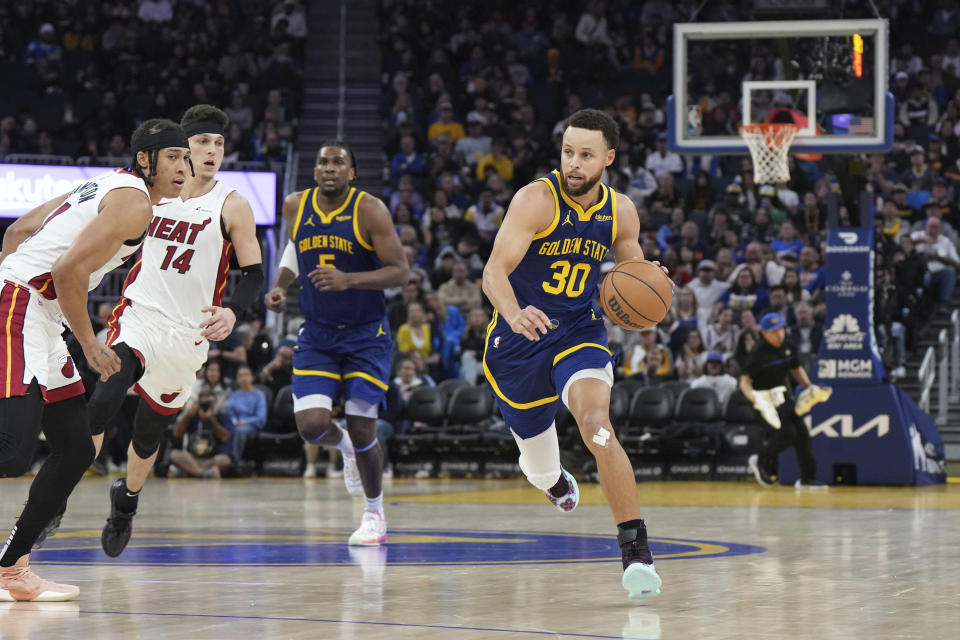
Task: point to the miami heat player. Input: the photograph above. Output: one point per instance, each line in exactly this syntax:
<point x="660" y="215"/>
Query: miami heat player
<point x="52" y="257"/>
<point x="171" y="306"/>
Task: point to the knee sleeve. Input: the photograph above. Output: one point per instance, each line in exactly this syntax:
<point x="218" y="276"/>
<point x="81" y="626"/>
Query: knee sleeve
<point x="108" y="396"/>
<point x="540" y="458"/>
<point x="68" y="433"/>
<point x="148" y="429"/>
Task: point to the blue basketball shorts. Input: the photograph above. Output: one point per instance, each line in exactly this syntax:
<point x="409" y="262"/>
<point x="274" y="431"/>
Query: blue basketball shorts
<point x="528" y="377"/>
<point x="354" y="360"/>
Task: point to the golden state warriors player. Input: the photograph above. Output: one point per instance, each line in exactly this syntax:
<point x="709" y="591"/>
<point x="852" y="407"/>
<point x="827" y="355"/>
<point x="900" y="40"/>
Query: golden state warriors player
<point x="547" y="342"/>
<point x="348" y="252"/>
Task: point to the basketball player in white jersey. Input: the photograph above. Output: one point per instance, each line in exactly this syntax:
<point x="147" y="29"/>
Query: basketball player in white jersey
<point x="51" y="258"/>
<point x="172" y="305"/>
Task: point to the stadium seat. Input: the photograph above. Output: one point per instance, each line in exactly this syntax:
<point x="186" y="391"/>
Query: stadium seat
<point x="279" y="438"/>
<point x="426" y="405"/>
<point x="694" y="431"/>
<point x="698" y="405"/>
<point x="449" y="387"/>
<point x="268" y="396"/>
<point x="470" y="408"/>
<point x="676" y="387"/>
<point x="650" y="410"/>
<point x="742" y="431"/>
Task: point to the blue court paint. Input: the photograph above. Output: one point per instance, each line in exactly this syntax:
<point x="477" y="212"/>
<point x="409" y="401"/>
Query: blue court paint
<point x="530" y="632"/>
<point x="406" y="547"/>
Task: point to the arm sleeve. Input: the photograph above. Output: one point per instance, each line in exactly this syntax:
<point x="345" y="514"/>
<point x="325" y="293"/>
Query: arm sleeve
<point x="289" y="259"/>
<point x="248" y="289"/>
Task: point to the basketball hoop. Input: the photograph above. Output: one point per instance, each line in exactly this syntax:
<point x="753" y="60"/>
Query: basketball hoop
<point x="769" y="144"/>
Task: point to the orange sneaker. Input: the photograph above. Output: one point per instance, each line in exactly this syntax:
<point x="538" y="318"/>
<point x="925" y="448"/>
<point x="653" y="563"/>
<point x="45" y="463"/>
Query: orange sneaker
<point x="18" y="583"/>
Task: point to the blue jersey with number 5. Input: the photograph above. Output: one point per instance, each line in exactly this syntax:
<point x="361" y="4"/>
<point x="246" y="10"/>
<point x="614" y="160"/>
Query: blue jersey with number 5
<point x="560" y="272"/>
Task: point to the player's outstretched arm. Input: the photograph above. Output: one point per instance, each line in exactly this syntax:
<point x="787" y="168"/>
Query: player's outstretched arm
<point x="124" y="215"/>
<point x="531" y="210"/>
<point x="375" y="222"/>
<point x="238" y="219"/>
<point x="27" y="224"/>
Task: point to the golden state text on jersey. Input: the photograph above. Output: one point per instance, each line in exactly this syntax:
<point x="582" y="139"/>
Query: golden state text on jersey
<point x="333" y="239"/>
<point x="560" y="272"/>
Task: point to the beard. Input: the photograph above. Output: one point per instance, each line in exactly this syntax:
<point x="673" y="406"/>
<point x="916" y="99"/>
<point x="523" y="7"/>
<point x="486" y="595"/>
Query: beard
<point x="588" y="183"/>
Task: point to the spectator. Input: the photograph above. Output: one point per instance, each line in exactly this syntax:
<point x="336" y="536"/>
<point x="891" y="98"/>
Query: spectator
<point x="408" y="160"/>
<point x="715" y="377"/>
<point x="247" y="410"/>
<point x="210" y="380"/>
<point x="637" y="361"/>
<point x="231" y="354"/>
<point x="472" y="346"/>
<point x="780" y="303"/>
<point x="942" y="262"/>
<point x="487" y="215"/>
<point x="207" y="454"/>
<point x="791" y="285"/>
<point x="812" y="276"/>
<point x="44" y="47"/>
<point x="707" y="291"/>
<point x="414" y="334"/>
<point x="745" y="293"/>
<point x="407" y="379"/>
<point x="900" y="200"/>
<point x="662" y="160"/>
<point x="446" y="124"/>
<point x="722" y="335"/>
<point x="920" y="176"/>
<point x="690" y="359"/>
<point x="459" y="291"/>
<point x="278" y="373"/>
<point x="496" y="161"/>
<point x="806" y="334"/>
<point x="787" y="239"/>
<point x="475" y="145"/>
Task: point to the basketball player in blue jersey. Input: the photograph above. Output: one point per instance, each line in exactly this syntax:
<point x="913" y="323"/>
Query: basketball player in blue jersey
<point x="547" y="342"/>
<point x="348" y="252"/>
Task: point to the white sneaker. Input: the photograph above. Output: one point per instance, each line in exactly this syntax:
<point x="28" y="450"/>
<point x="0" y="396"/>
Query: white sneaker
<point x="372" y="531"/>
<point x="311" y="471"/>
<point x="810" y="396"/>
<point x="351" y="476"/>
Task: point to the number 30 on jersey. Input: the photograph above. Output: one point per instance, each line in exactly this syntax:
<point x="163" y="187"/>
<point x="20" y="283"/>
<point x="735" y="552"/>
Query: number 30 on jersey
<point x="567" y="279"/>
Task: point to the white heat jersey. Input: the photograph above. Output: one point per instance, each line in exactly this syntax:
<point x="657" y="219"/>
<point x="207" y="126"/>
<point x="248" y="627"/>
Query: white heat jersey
<point x="33" y="260"/>
<point x="185" y="259"/>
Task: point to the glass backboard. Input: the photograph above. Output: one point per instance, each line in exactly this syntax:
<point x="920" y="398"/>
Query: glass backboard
<point x="829" y="77"/>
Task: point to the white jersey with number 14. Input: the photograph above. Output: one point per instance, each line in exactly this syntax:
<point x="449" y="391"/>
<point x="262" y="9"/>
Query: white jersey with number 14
<point x="185" y="259"/>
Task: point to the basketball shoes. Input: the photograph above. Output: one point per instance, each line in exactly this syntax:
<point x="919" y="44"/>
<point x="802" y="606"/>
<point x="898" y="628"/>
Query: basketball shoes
<point x="372" y="531"/>
<point x="568" y="501"/>
<point x="810" y="396"/>
<point x="116" y="533"/>
<point x="19" y="583"/>
<point x="764" y="478"/>
<point x="640" y="577"/>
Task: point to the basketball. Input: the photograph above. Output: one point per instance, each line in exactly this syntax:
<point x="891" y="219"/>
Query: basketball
<point x="636" y="294"/>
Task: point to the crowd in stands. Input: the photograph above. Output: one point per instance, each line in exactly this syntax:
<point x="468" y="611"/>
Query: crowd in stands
<point x="80" y="76"/>
<point x="473" y="101"/>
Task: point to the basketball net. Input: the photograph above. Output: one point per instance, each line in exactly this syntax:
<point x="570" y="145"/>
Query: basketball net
<point x="769" y="144"/>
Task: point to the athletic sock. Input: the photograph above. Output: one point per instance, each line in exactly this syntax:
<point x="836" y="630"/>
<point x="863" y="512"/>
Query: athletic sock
<point x="127" y="500"/>
<point x="375" y="504"/>
<point x="345" y="446"/>
<point x="562" y="487"/>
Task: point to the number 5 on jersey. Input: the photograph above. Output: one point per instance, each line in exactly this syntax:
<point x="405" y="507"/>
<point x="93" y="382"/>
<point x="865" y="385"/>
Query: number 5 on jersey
<point x="567" y="278"/>
<point x="181" y="264"/>
<point x="326" y="261"/>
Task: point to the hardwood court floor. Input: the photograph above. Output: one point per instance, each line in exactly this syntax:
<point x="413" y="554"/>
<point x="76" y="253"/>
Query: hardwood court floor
<point x="265" y="558"/>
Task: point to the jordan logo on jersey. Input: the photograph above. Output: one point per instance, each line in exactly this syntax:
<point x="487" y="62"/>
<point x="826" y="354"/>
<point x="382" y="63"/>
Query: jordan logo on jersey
<point x="380" y="331"/>
<point x="568" y="220"/>
<point x="309" y="222"/>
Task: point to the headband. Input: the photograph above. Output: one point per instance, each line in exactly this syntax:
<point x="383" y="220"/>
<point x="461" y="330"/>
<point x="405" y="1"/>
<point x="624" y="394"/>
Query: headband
<point x="159" y="140"/>
<point x="203" y="126"/>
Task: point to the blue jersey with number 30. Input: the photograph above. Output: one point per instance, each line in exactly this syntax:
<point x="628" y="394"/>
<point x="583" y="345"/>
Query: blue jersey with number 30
<point x="560" y="272"/>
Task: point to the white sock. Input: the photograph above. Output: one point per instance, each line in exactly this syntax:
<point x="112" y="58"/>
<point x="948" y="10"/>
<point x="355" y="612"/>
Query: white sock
<point x="375" y="504"/>
<point x="345" y="446"/>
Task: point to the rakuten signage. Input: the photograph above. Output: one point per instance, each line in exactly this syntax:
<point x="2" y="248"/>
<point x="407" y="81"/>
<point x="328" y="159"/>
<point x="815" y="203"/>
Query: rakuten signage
<point x="24" y="186"/>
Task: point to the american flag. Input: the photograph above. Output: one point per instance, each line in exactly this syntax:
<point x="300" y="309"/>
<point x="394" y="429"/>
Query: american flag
<point x="861" y="125"/>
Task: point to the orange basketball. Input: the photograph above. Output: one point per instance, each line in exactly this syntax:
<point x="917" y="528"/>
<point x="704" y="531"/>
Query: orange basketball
<point x="636" y="294"/>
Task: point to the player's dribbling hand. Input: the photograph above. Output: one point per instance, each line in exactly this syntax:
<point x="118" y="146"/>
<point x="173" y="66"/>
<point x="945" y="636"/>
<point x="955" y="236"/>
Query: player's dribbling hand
<point x="329" y="279"/>
<point x="101" y="359"/>
<point x="666" y="271"/>
<point x="220" y="324"/>
<point x="529" y="322"/>
<point x="276" y="300"/>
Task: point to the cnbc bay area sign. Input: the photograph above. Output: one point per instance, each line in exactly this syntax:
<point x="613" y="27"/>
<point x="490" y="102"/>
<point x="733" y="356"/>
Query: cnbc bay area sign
<point x="848" y="353"/>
